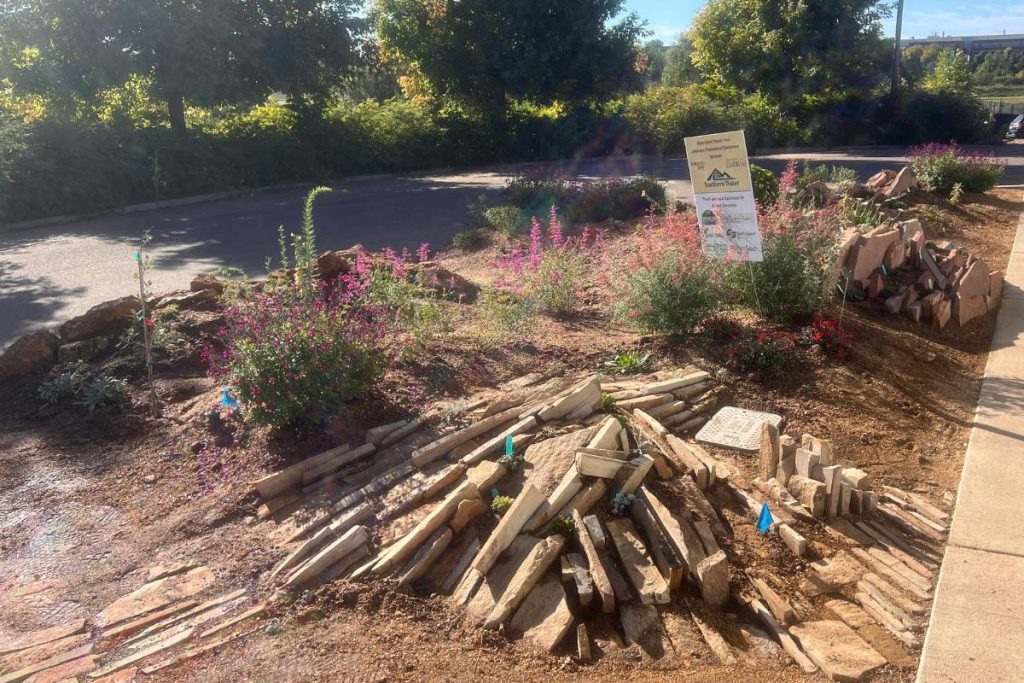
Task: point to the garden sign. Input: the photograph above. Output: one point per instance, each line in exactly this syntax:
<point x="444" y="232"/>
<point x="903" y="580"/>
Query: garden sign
<point x="724" y="196"/>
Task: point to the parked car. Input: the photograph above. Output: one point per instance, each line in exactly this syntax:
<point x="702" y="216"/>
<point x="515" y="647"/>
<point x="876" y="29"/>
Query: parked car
<point x="1016" y="128"/>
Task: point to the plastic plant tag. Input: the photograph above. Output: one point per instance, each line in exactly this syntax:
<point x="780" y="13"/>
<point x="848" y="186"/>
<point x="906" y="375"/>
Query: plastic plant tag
<point x="764" y="520"/>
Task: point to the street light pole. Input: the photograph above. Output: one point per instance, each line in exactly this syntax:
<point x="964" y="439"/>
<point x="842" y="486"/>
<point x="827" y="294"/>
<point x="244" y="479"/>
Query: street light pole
<point x="897" y="52"/>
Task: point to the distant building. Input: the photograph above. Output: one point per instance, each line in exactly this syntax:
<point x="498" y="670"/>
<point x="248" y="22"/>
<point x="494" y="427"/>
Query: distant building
<point x="972" y="45"/>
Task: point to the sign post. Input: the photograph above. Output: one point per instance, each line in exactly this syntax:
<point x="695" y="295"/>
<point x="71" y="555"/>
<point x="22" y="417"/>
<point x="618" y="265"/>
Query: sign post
<point x="724" y="196"/>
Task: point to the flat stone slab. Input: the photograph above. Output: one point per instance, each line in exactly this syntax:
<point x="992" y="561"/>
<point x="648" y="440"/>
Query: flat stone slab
<point x="839" y="570"/>
<point x="544" y="616"/>
<point x="546" y="461"/>
<point x="737" y="428"/>
<point x="155" y="595"/>
<point x="838" y="651"/>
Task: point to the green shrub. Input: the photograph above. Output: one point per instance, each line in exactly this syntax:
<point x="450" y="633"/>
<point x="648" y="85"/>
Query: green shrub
<point x="501" y="504"/>
<point x="763" y="352"/>
<point x="556" y="284"/>
<point x="798" y="272"/>
<point x="103" y="392"/>
<point x="63" y="386"/>
<point x="470" y="240"/>
<point x="585" y="201"/>
<point x="506" y="219"/>
<point x="942" y="167"/>
<point x="504" y="317"/>
<point x="630" y="362"/>
<point x="670" y="297"/>
<point x="766" y="185"/>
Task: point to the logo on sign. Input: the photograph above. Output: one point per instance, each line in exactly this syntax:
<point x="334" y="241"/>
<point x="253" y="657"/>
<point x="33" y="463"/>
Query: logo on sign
<point x="708" y="217"/>
<point x="721" y="179"/>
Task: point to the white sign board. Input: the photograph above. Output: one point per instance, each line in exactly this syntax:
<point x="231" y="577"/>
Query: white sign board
<point x="724" y="196"/>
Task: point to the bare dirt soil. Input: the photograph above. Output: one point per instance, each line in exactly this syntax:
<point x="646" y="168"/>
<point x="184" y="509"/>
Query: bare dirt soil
<point x="90" y="502"/>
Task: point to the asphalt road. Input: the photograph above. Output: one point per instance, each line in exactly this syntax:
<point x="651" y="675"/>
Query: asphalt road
<point x="50" y="274"/>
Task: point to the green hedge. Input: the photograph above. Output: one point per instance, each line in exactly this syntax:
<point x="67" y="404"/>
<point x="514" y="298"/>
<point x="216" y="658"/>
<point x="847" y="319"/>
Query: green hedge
<point x="54" y="166"/>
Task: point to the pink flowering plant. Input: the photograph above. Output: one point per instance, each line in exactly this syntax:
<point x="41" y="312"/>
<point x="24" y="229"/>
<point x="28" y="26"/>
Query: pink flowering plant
<point x="799" y="270"/>
<point x="551" y="269"/>
<point x="942" y="167"/>
<point x="295" y="360"/>
<point x="295" y="352"/>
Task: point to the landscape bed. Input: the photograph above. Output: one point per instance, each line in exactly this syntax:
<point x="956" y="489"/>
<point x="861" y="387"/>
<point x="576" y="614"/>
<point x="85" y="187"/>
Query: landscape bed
<point x="94" y="502"/>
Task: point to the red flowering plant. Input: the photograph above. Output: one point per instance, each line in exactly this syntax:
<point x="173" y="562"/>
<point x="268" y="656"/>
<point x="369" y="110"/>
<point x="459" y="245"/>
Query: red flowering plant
<point x="761" y="351"/>
<point x="664" y="282"/>
<point x="826" y="333"/>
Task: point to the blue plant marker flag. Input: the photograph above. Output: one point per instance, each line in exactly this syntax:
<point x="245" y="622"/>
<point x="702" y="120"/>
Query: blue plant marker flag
<point x="508" y="446"/>
<point x="764" y="520"/>
<point x="227" y="400"/>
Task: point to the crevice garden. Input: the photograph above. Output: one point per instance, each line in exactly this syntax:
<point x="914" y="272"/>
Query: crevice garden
<point x="568" y="445"/>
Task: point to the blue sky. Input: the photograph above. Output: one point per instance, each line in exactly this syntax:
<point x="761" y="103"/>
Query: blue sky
<point x="921" y="18"/>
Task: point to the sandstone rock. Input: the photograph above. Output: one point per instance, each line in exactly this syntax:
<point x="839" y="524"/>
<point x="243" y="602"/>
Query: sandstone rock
<point x="203" y="300"/>
<point x="839" y="570"/>
<point x="895" y="256"/>
<point x="929" y="302"/>
<point x="870" y="250"/>
<point x="996" y="284"/>
<point x="902" y="183"/>
<point x="846" y="244"/>
<point x="880" y="180"/>
<point x="331" y="263"/>
<point x="967" y="308"/>
<point x="467" y="511"/>
<point x="35" y="352"/>
<point x="107" y="319"/>
<point x="838" y="651"/>
<point x="856" y="478"/>
<point x="941" y="313"/>
<point x="544" y="616"/>
<point x="976" y="281"/>
<point x="810" y="493"/>
<point x="201" y="282"/>
<point x="893" y="304"/>
<point x="914" y="310"/>
<point x="876" y="283"/>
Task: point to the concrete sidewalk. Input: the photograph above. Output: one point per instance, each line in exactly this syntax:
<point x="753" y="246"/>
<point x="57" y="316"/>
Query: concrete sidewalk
<point x="977" y="624"/>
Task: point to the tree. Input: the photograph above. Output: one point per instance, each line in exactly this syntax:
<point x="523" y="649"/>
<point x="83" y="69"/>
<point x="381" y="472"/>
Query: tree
<point x="205" y="51"/>
<point x="790" y="48"/>
<point x="487" y="51"/>
<point x="952" y="73"/>
<point x="652" y="61"/>
<point x="679" y="69"/>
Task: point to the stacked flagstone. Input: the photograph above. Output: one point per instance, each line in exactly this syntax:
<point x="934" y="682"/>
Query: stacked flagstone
<point x="951" y="284"/>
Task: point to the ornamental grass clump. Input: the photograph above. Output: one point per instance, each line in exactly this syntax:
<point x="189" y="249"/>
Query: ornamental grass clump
<point x="943" y="167"/>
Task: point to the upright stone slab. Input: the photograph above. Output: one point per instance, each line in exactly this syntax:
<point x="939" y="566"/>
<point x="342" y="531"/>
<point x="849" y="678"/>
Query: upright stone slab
<point x="869" y="251"/>
<point x="737" y="428"/>
<point x="771" y="451"/>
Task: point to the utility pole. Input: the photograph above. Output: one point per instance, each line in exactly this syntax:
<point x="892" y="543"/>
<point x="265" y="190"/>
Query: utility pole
<point x="897" y="52"/>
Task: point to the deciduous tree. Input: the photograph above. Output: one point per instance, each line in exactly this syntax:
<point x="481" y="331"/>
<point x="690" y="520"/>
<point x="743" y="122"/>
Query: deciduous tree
<point x="197" y="50"/>
<point x="490" y="51"/>
<point x="789" y="48"/>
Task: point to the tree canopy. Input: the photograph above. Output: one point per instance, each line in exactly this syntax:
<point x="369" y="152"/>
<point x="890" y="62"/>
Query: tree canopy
<point x="205" y="51"/>
<point x="488" y="51"/>
<point x="789" y="48"/>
